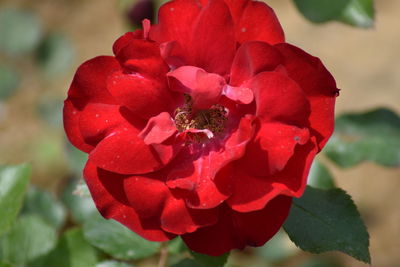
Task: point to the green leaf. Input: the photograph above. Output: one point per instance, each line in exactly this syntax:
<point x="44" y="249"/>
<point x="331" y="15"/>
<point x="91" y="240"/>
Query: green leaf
<point x="113" y="264"/>
<point x="20" y="31"/>
<point x="327" y="220"/>
<point x="9" y="81"/>
<point x="359" y="13"/>
<point x="72" y="251"/>
<point x="76" y="198"/>
<point x="49" y="108"/>
<point x="76" y="159"/>
<point x="371" y="136"/>
<point x="117" y="240"/>
<point x="176" y="245"/>
<point x="277" y="249"/>
<point x="354" y="12"/>
<point x="5" y="264"/>
<point x="321" y="10"/>
<point x="320" y="177"/>
<point x="187" y="263"/>
<point x="210" y="261"/>
<point x="42" y="203"/>
<point x="13" y="184"/>
<point x="30" y="238"/>
<point x="55" y="54"/>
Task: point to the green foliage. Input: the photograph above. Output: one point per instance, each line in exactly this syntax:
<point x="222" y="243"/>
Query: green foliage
<point x="321" y="10"/>
<point x="30" y="238"/>
<point x="72" y="251"/>
<point x="277" y="249"/>
<point x="5" y="264"/>
<point x="354" y="12"/>
<point x="13" y="184"/>
<point x="117" y="240"/>
<point x="55" y="54"/>
<point x="76" y="159"/>
<point x="43" y="204"/>
<point x="320" y="177"/>
<point x="210" y="261"/>
<point x="77" y="198"/>
<point x="9" y="81"/>
<point x="327" y="220"/>
<point x="371" y="136"/>
<point x="359" y="13"/>
<point x="176" y="245"/>
<point x="187" y="263"/>
<point x="20" y="31"/>
<point x="113" y="264"/>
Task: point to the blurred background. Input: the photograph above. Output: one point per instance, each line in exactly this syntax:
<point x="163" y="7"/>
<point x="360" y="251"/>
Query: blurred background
<point x="51" y="38"/>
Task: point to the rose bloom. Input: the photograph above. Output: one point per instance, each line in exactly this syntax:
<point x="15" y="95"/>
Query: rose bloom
<point x="204" y="125"/>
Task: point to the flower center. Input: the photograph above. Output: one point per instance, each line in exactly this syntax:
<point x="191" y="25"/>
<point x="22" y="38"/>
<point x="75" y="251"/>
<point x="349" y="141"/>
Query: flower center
<point x="212" y="119"/>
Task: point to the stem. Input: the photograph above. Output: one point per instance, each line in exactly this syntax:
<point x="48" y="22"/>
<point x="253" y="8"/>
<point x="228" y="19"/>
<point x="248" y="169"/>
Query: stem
<point x="163" y="255"/>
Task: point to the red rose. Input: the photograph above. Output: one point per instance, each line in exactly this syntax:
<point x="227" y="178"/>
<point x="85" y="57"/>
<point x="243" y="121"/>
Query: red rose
<point x="204" y="125"/>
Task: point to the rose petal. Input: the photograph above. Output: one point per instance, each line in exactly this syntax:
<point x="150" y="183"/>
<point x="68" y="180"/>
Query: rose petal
<point x="110" y="199"/>
<point x="280" y="99"/>
<point x="147" y="195"/>
<point x="292" y="180"/>
<point x="178" y="219"/>
<point x="204" y="88"/>
<point x="195" y="167"/>
<point x="272" y="147"/>
<point x="126" y="153"/>
<point x="235" y="230"/>
<point x="255" y="21"/>
<point x="88" y="86"/>
<point x="158" y="129"/>
<point x="71" y="117"/>
<point x="318" y="85"/>
<point x="143" y="57"/>
<point x="146" y="98"/>
<point x="126" y="39"/>
<point x="213" y="43"/>
<point x="252" y="58"/>
<point x="97" y="121"/>
<point x="89" y="83"/>
<point x="243" y="95"/>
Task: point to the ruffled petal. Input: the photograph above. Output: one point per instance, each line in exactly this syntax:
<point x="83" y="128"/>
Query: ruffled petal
<point x="272" y="147"/>
<point x="158" y="129"/>
<point x="125" y="40"/>
<point x="175" y="20"/>
<point x="88" y="86"/>
<point x="195" y="167"/>
<point x="252" y="58"/>
<point x="108" y="194"/>
<point x="145" y="97"/>
<point x="90" y="81"/>
<point x="292" y="180"/>
<point x="97" y="121"/>
<point x="147" y="195"/>
<point x="235" y="230"/>
<point x="242" y="95"/>
<point x="144" y="57"/>
<point x="280" y="99"/>
<point x="177" y="218"/>
<point x="213" y="43"/>
<point x="204" y="33"/>
<point x="318" y="85"/>
<point x="125" y="152"/>
<point x="255" y="21"/>
<point x="71" y="117"/>
<point x="204" y="88"/>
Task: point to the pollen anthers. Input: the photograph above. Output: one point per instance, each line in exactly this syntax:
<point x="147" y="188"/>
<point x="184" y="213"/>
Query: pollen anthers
<point x="212" y="119"/>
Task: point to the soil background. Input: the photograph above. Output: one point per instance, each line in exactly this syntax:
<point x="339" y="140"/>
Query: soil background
<point x="365" y="63"/>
